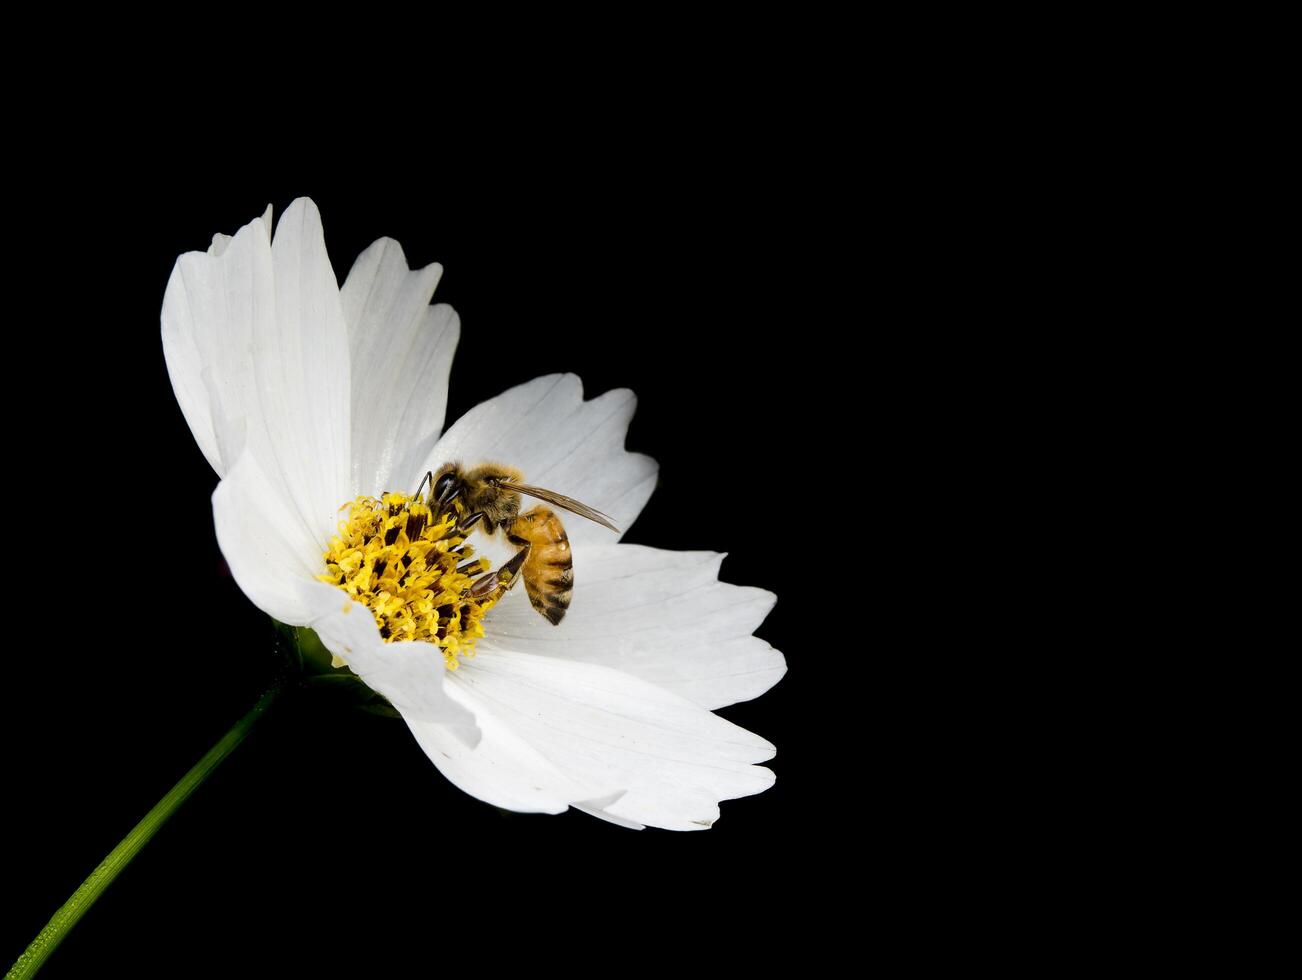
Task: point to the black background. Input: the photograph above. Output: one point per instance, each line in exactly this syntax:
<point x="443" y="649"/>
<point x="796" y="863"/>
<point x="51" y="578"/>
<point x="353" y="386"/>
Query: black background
<point x="328" y="840"/>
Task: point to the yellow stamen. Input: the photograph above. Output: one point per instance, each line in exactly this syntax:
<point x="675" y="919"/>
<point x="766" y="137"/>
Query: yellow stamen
<point x="400" y="560"/>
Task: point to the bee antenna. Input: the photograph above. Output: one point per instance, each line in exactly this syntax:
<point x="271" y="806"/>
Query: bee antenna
<point x="428" y="478"/>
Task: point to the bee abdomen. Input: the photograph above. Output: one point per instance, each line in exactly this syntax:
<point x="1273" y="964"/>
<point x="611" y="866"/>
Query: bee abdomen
<point x="553" y="606"/>
<point x="549" y="570"/>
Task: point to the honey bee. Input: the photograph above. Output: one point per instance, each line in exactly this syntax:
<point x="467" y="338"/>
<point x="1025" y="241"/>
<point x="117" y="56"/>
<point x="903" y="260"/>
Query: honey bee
<point x="491" y="494"/>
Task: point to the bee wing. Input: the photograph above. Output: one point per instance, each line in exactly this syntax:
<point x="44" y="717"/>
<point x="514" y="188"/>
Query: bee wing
<point x="560" y="500"/>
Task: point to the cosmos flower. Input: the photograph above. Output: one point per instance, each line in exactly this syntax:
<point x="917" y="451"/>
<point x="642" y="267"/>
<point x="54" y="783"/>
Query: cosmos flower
<point x="311" y="401"/>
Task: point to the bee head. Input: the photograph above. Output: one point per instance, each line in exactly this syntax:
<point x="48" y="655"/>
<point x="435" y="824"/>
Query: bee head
<point x="447" y="485"/>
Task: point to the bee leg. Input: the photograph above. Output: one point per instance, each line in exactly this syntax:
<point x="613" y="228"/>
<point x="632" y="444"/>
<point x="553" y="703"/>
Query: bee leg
<point x="495" y="584"/>
<point x="468" y="524"/>
<point x="510" y="570"/>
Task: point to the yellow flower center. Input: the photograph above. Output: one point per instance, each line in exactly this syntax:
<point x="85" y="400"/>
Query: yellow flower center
<point x="410" y="567"/>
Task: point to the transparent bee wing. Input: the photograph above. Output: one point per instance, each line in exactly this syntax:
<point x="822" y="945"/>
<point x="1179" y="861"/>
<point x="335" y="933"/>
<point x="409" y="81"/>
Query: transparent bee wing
<point x="560" y="500"/>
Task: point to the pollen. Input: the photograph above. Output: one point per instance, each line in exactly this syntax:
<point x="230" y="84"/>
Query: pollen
<point x="413" y="570"/>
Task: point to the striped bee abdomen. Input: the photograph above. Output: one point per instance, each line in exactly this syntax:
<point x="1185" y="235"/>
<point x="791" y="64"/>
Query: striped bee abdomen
<point x="549" y="568"/>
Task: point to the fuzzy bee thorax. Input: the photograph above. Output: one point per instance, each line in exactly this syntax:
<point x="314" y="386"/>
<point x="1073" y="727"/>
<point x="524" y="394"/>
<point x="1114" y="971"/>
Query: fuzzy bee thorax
<point x="482" y="493"/>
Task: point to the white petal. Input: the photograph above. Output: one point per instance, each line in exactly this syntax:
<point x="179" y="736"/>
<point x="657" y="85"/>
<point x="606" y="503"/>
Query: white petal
<point x="256" y="348"/>
<point x="598" y="808"/>
<point x="220" y="242"/>
<point x="401" y="351"/>
<point x="214" y="304"/>
<point x="502" y="769"/>
<point x="659" y="615"/>
<point x="409" y="675"/>
<point x="302" y="374"/>
<point x="269" y="552"/>
<point x="545" y="429"/>
<point x="604" y="728"/>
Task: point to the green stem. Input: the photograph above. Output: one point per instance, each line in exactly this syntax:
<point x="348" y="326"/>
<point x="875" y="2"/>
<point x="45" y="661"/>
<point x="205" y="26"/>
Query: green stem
<point x="84" y="897"/>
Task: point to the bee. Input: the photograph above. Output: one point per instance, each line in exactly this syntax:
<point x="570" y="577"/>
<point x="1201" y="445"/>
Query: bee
<point x="491" y="494"/>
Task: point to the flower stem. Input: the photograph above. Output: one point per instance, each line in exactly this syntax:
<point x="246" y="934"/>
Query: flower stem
<point x="84" y="897"/>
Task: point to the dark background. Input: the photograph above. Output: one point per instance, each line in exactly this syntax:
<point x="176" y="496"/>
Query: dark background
<point x="328" y="838"/>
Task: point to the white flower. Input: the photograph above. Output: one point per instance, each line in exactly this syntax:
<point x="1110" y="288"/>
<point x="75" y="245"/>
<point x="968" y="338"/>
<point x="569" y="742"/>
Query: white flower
<point x="304" y="396"/>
